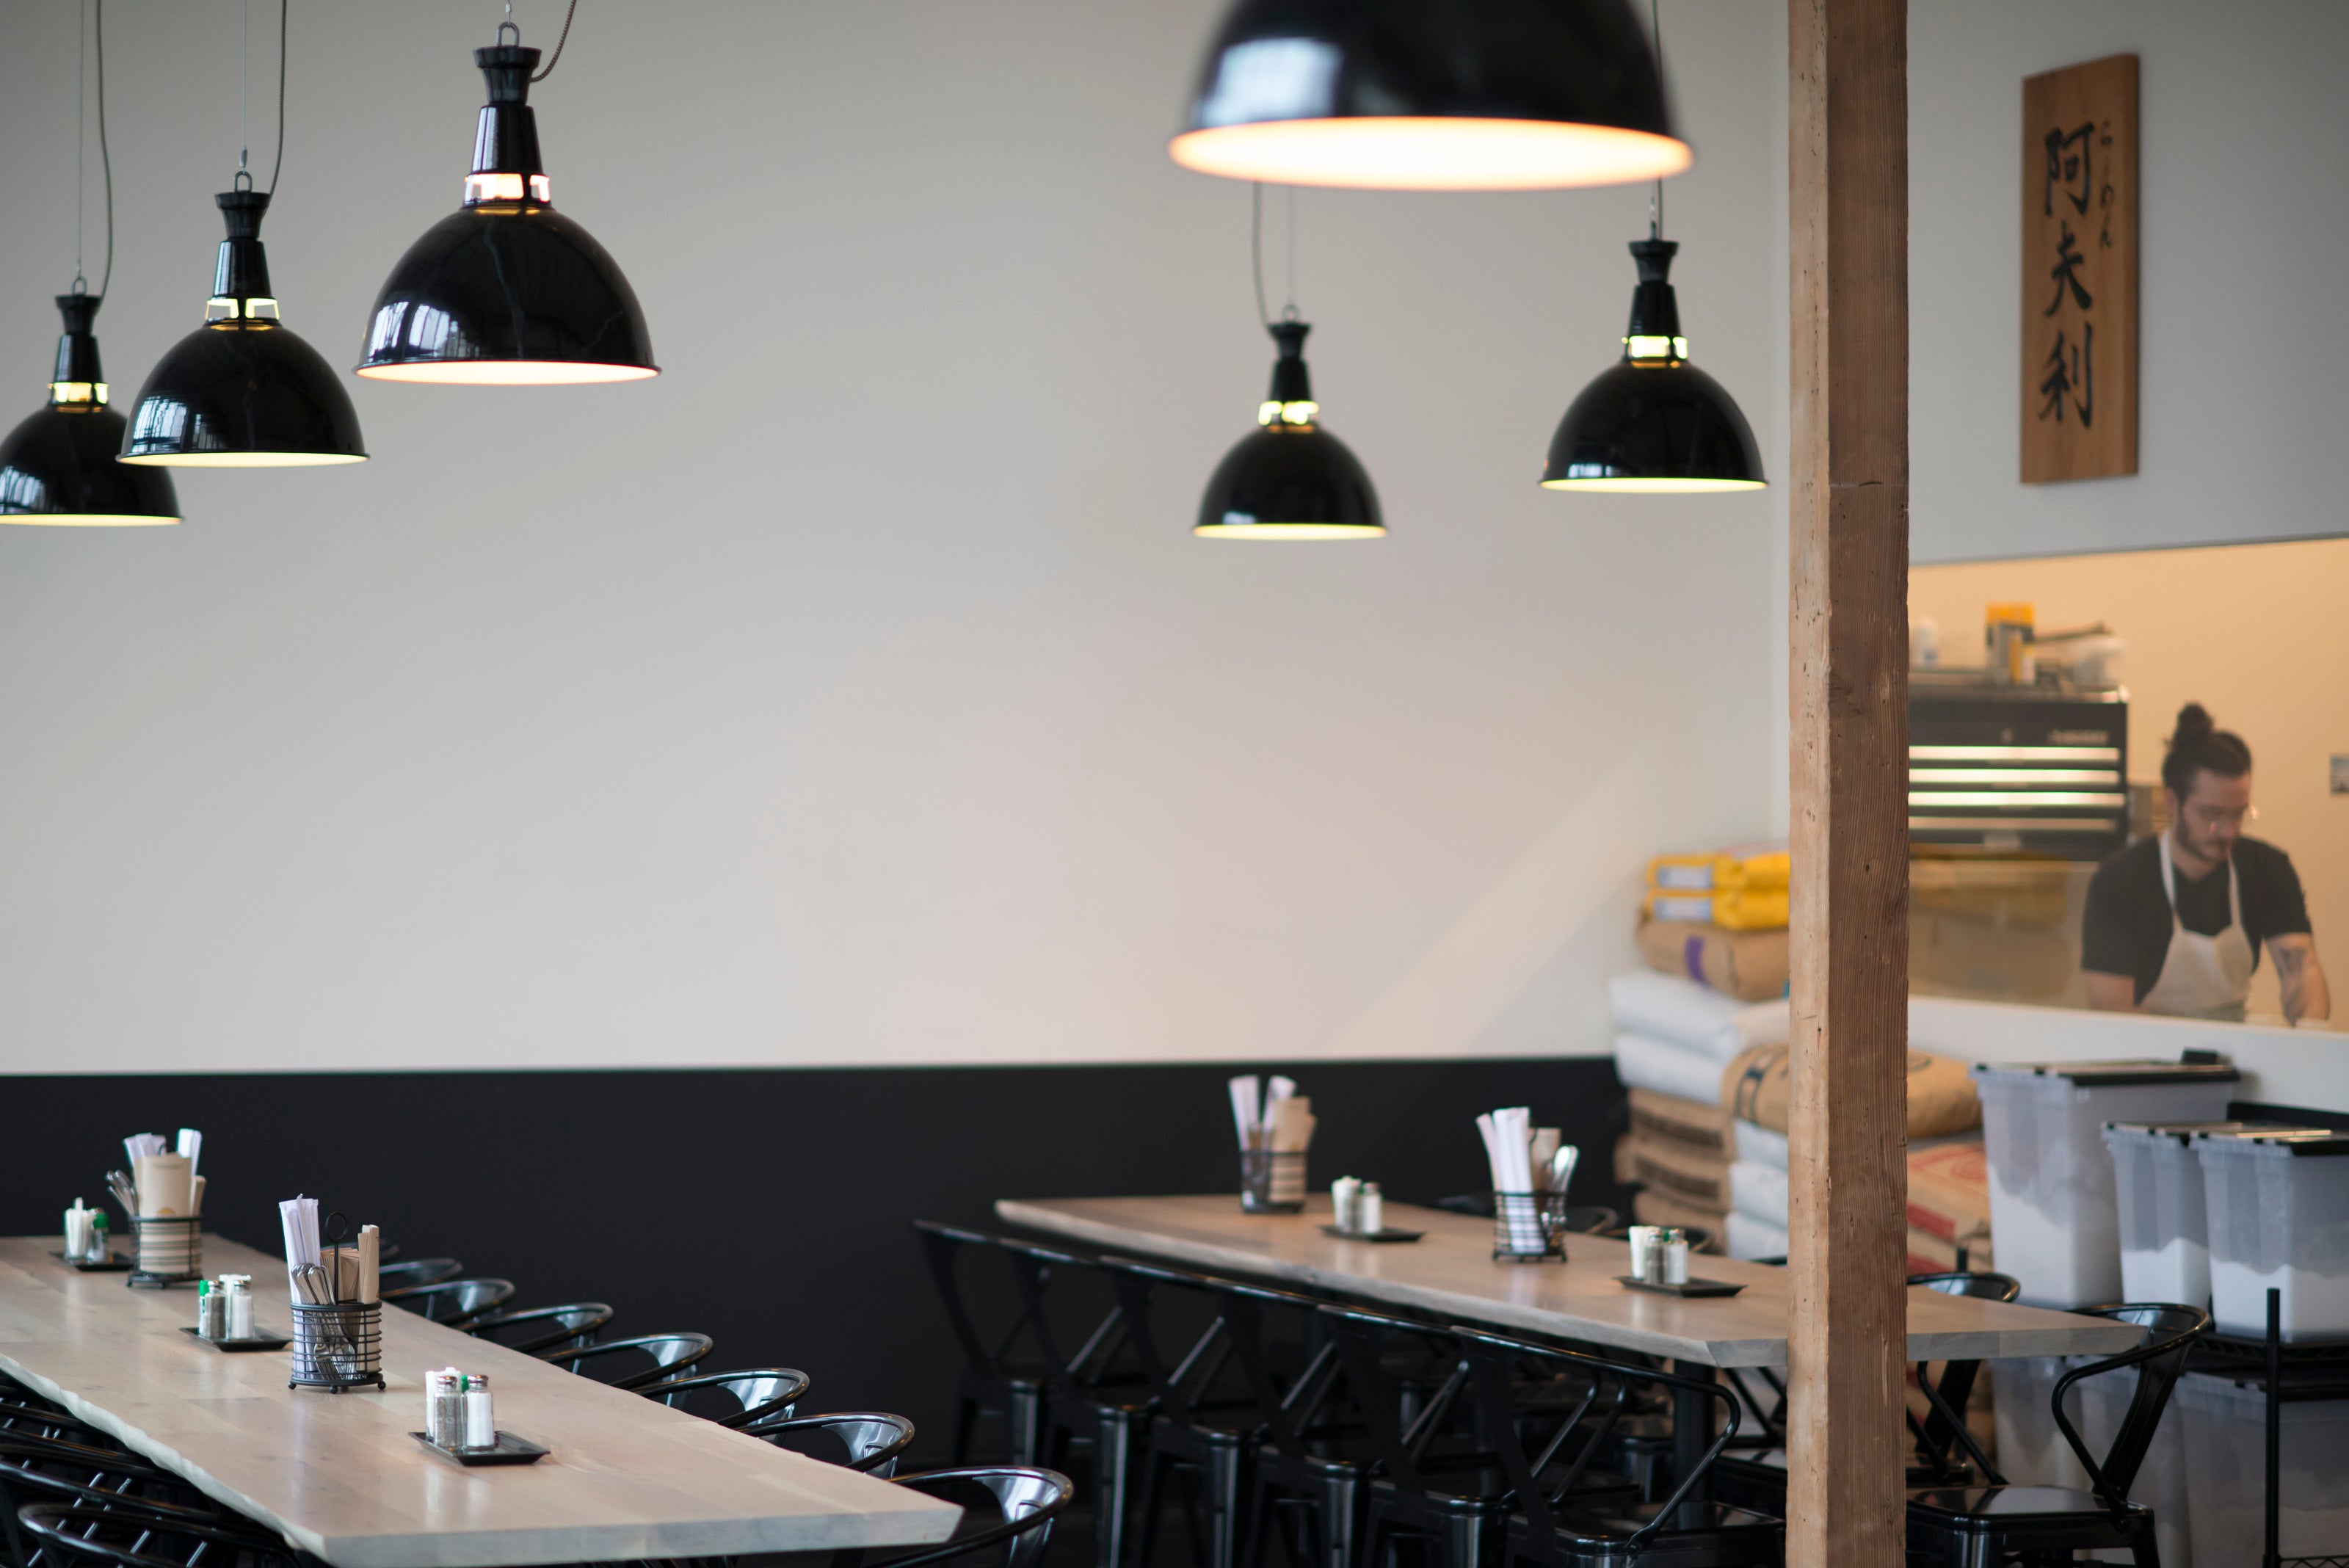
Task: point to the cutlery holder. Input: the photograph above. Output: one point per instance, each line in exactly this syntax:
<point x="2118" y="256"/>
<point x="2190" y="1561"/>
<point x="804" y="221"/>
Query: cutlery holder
<point x="1529" y="1227"/>
<point x="337" y="1345"/>
<point x="170" y="1251"/>
<point x="1272" y="1182"/>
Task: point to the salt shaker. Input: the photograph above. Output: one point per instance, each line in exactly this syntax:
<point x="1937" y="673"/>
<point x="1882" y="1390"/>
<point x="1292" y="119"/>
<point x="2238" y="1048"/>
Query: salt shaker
<point x="480" y="1423"/>
<point x="436" y="1383"/>
<point x="1370" y="1211"/>
<point x="1642" y="1239"/>
<point x="76" y="1233"/>
<point x="1345" y="1197"/>
<point x="238" y="1314"/>
<point x="1673" y="1259"/>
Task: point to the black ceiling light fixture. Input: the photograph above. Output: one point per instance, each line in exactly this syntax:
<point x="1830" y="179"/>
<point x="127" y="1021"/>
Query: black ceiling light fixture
<point x="243" y="391"/>
<point x="1430" y="95"/>
<point x="59" y="466"/>
<point x="506" y="291"/>
<point x="1653" y="424"/>
<point x="1290" y="479"/>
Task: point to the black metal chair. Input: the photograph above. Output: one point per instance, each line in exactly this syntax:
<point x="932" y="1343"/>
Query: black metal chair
<point x="392" y="1279"/>
<point x="866" y="1440"/>
<point x="61" y="1533"/>
<point x="37" y="1472"/>
<point x="757" y="1395"/>
<point x="1758" y="1480"/>
<point x="1971" y="1526"/>
<point x="534" y="1329"/>
<point x="1014" y="1507"/>
<point x="22" y="1418"/>
<point x="1010" y="1366"/>
<point x="456" y="1302"/>
<point x="1557" y="1523"/>
<point x="672" y="1355"/>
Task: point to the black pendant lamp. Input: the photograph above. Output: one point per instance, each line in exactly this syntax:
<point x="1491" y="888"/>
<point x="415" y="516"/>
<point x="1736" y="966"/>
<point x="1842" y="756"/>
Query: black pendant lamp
<point x="1654" y="423"/>
<point x="1430" y="95"/>
<point x="59" y="466"/>
<point x="243" y="391"/>
<point x="506" y="291"/>
<point x="1291" y="479"/>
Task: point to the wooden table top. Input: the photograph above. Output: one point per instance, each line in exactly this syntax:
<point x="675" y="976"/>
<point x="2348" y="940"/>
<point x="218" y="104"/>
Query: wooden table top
<point x="337" y="1474"/>
<point x="1452" y="1273"/>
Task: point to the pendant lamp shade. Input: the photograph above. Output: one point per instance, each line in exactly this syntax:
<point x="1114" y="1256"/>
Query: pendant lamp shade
<point x="506" y="290"/>
<point x="1654" y="423"/>
<point x="1430" y="95"/>
<point x="243" y="391"/>
<point x="1291" y="479"/>
<point x="60" y="466"/>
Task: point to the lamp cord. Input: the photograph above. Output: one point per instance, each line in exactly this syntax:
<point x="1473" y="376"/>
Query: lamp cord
<point x="1656" y="34"/>
<point x="86" y="37"/>
<point x="1255" y="253"/>
<point x="243" y="180"/>
<point x="562" y="38"/>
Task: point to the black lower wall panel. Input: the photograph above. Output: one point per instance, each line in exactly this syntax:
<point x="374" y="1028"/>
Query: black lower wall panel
<point x="767" y="1208"/>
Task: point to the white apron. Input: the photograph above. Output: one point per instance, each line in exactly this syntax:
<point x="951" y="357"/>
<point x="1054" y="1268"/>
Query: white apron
<point x="2203" y="977"/>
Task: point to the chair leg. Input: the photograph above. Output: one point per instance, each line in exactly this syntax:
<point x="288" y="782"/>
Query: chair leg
<point x="2146" y="1549"/>
<point x="1145" y="1536"/>
<point x="1464" y="1540"/>
<point x="1222" y="1479"/>
<point x="1112" y="1468"/>
<point x="1025" y="1416"/>
<point x="1339" y="1522"/>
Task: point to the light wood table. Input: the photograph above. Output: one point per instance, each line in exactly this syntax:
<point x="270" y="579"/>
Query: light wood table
<point x="1452" y="1273"/>
<point x="337" y="1474"/>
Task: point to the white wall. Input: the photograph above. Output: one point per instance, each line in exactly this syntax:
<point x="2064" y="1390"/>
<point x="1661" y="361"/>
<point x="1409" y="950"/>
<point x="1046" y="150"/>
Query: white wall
<point x="2243" y="328"/>
<point x="854" y="693"/>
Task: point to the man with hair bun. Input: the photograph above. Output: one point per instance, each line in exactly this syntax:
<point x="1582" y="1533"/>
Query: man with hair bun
<point x="2175" y="923"/>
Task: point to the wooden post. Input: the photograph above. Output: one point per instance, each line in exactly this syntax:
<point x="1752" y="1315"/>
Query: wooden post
<point x="1847" y="1192"/>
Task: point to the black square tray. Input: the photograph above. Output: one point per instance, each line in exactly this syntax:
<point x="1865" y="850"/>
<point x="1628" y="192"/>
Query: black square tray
<point x="116" y="1263"/>
<point x="263" y="1339"/>
<point x="509" y="1451"/>
<point x="1389" y="1234"/>
<point x="1693" y="1288"/>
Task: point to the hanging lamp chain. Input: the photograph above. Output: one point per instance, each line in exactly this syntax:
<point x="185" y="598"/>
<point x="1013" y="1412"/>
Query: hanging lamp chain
<point x="511" y="26"/>
<point x="1656" y="35"/>
<point x="1289" y="312"/>
<point x="81" y="135"/>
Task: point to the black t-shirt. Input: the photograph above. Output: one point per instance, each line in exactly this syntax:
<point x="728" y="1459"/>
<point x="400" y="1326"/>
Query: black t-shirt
<point x="2127" y="927"/>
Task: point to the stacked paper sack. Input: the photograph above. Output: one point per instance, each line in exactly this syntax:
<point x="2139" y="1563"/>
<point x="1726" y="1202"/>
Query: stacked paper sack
<point x="1674" y="1039"/>
<point x="1720" y="919"/>
<point x="1949" y="1180"/>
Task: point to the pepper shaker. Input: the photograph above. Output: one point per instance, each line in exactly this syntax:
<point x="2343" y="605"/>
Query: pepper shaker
<point x="446" y="1423"/>
<point x="212" y="1310"/>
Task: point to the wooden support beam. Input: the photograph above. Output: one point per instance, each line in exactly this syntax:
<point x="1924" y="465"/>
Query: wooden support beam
<point x="1847" y="1198"/>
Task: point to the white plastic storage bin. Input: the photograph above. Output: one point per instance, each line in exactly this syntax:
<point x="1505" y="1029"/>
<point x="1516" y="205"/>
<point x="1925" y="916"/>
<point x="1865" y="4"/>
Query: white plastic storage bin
<point x="2161" y="1484"/>
<point x="2031" y="1451"/>
<point x="2165" y="1232"/>
<point x="2052" y="1207"/>
<point x="2279" y="1210"/>
<point x="2225" y="1423"/>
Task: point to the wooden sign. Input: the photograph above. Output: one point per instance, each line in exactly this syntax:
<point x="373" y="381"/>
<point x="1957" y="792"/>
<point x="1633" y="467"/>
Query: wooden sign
<point x="2079" y="271"/>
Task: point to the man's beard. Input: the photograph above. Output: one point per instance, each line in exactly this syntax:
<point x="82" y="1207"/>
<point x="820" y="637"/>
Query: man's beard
<point x="2213" y="849"/>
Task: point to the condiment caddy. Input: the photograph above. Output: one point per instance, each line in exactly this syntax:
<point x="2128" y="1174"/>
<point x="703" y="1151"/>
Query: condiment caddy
<point x="337" y="1309"/>
<point x="224" y="1316"/>
<point x="461" y="1422"/>
<point x="1659" y="1263"/>
<point x="1358" y="1214"/>
<point x="89" y="1247"/>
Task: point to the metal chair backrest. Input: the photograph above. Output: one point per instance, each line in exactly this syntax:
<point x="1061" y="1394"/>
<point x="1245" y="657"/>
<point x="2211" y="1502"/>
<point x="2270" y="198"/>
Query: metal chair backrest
<point x="758" y="1394"/>
<point x="1291" y="1408"/>
<point x="19" y="1418"/>
<point x="574" y="1324"/>
<point x="1016" y="1517"/>
<point x="1493" y="1364"/>
<point x="456" y="1302"/>
<point x="2170" y="1333"/>
<point x="1178" y="1383"/>
<point x="673" y="1355"/>
<point x="134" y="1538"/>
<point x="998" y="1351"/>
<point x="394" y="1280"/>
<point x="1944" y="1431"/>
<point x="1362" y="1340"/>
<point x="872" y="1440"/>
<point x="43" y="1470"/>
<point x="1590" y="1220"/>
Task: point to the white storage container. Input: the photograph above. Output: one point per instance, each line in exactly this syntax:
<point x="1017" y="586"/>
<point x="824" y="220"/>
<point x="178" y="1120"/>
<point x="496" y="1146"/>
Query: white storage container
<point x="2031" y="1451"/>
<point x="2053" y="1214"/>
<point x="2225" y="1423"/>
<point x="2158" y="1182"/>
<point x="2279" y="1214"/>
<point x="2161" y="1483"/>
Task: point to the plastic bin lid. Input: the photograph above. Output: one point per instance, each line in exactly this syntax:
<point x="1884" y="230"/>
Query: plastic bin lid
<point x="2198" y="1067"/>
<point x="2297" y="1141"/>
<point x="2187" y="1132"/>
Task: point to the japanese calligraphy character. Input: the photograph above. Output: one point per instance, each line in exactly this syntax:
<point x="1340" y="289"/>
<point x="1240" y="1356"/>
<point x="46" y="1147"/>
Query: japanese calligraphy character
<point x="2066" y="274"/>
<point x="2067" y="167"/>
<point x="2071" y="374"/>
